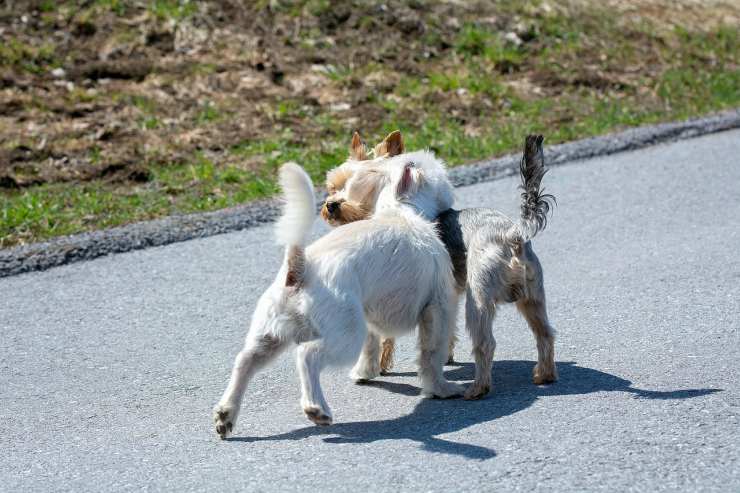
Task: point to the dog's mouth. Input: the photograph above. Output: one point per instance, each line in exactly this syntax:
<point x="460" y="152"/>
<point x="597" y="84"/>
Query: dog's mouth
<point x="333" y="222"/>
<point x="331" y="211"/>
<point x="338" y="213"/>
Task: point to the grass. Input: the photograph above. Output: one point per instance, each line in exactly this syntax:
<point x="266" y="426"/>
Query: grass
<point x="467" y="104"/>
<point x="53" y="210"/>
<point x="57" y="209"/>
<point x="173" y="9"/>
<point x="116" y="6"/>
<point x="208" y="113"/>
<point x="34" y="59"/>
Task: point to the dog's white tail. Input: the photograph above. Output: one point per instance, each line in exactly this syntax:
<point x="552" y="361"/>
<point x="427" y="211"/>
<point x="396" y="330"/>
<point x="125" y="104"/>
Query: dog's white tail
<point x="294" y="226"/>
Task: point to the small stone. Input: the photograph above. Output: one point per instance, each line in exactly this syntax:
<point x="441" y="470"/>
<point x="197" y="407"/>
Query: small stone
<point x="511" y="37"/>
<point x="58" y="73"/>
<point x="340" y="107"/>
<point x="521" y="29"/>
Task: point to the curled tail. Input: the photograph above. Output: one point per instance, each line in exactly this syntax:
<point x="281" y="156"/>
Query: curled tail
<point x="295" y="224"/>
<point x="535" y="203"/>
<point x="299" y="213"/>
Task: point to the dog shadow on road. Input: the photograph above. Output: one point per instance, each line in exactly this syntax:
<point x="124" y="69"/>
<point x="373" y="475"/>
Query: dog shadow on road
<point x="513" y="391"/>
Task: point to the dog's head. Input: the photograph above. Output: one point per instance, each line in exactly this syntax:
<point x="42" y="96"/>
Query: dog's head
<point x="362" y="185"/>
<point x="354" y="186"/>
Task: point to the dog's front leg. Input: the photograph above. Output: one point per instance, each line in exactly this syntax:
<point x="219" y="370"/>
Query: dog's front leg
<point x="257" y="352"/>
<point x="434" y="348"/>
<point x="309" y="361"/>
<point x="368" y="364"/>
<point x="453" y="328"/>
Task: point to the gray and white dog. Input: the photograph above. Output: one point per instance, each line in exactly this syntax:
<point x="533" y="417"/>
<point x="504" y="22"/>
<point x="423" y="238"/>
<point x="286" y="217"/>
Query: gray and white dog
<point x="492" y="256"/>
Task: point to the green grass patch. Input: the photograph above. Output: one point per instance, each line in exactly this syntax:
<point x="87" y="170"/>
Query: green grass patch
<point x="472" y="100"/>
<point x="202" y="185"/>
<point x="118" y="7"/>
<point x="32" y="58"/>
<point x="173" y="9"/>
<point x="208" y="113"/>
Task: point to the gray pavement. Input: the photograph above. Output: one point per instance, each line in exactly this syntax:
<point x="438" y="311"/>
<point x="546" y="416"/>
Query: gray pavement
<point x="109" y="368"/>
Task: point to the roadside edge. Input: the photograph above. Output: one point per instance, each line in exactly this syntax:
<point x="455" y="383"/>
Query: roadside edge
<point x="172" y="229"/>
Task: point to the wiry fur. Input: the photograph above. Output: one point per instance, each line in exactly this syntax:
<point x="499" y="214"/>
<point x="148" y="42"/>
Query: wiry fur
<point x="535" y="203"/>
<point x="494" y="263"/>
<point x="360" y="282"/>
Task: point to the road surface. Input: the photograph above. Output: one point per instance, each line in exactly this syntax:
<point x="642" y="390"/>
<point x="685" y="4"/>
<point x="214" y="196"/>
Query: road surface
<point x="109" y="368"/>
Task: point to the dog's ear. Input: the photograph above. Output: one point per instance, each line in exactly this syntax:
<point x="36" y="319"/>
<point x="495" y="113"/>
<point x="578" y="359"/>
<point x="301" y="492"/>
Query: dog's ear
<point x="411" y="178"/>
<point x="391" y="146"/>
<point x="357" y="150"/>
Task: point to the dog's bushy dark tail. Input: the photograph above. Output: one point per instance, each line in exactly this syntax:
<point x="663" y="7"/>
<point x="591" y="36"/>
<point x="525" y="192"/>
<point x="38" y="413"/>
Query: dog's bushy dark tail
<point x="536" y="204"/>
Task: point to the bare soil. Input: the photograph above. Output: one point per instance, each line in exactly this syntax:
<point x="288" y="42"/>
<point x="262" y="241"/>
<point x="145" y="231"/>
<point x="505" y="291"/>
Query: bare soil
<point x="106" y="89"/>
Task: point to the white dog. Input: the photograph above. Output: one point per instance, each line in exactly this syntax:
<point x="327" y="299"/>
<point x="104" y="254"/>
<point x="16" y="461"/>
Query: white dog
<point x="391" y="270"/>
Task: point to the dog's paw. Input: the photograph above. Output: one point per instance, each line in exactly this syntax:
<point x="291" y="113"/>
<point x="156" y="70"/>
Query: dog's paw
<point x="224" y="416"/>
<point x="318" y="415"/>
<point x="386" y="367"/>
<point x="542" y="376"/>
<point x="362" y="373"/>
<point x="447" y="390"/>
<point x="477" y="391"/>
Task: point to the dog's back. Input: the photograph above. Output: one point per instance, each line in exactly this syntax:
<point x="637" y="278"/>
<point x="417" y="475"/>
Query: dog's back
<point x="460" y="230"/>
<point x="395" y="263"/>
<point x="496" y="262"/>
<point x="503" y="252"/>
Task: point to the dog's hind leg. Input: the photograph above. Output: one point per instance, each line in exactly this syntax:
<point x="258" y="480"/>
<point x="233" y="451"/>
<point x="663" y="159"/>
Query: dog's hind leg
<point x="386" y="355"/>
<point x="368" y="365"/>
<point x="310" y="361"/>
<point x="478" y="321"/>
<point x="434" y="348"/>
<point x="452" y="340"/>
<point x="258" y="351"/>
<point x="534" y="311"/>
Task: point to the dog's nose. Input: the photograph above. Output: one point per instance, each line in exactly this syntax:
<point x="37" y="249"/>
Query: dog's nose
<point x="332" y="207"/>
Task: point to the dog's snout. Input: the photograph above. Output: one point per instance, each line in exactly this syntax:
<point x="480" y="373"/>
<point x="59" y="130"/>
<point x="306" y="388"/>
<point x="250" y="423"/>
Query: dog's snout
<point x="332" y="207"/>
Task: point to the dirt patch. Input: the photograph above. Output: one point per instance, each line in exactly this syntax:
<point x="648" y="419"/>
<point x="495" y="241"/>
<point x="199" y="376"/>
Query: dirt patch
<point x="170" y="97"/>
<point x="122" y="84"/>
<point x="87" y="89"/>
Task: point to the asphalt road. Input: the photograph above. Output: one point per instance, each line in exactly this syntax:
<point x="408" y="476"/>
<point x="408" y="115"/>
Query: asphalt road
<point x="109" y="368"/>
